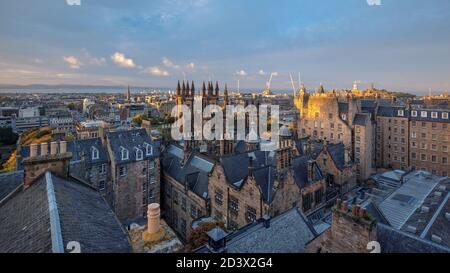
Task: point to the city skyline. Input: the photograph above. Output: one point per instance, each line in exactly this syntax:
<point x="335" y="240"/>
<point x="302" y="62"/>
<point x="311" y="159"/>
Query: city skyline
<point x="154" y="44"/>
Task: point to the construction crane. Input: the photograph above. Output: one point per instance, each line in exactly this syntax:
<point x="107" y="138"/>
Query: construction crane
<point x="293" y="84"/>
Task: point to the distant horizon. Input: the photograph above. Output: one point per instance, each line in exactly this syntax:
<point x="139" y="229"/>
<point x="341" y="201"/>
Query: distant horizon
<point x="123" y="88"/>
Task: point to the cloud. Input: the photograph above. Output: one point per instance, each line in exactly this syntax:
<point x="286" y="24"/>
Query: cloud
<point x="92" y="60"/>
<point x="38" y="61"/>
<point x="262" y="72"/>
<point x="374" y="2"/>
<point x="168" y="63"/>
<point x="275" y="74"/>
<point x="190" y="66"/>
<point x="156" y="71"/>
<point x="241" y="73"/>
<point x="72" y="61"/>
<point x="122" y="61"/>
<point x="73" y="2"/>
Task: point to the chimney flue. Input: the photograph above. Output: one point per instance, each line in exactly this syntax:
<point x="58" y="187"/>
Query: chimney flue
<point x="63" y="147"/>
<point x="54" y="148"/>
<point x="44" y="148"/>
<point x="33" y="150"/>
<point x="153" y="218"/>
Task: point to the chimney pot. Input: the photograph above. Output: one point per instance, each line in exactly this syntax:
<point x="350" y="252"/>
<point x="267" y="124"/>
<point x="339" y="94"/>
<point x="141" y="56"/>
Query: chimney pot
<point x="54" y="148"/>
<point x="344" y="207"/>
<point x="44" y="148"/>
<point x="153" y="218"/>
<point x="354" y="210"/>
<point x="362" y="212"/>
<point x="33" y="150"/>
<point x="63" y="147"/>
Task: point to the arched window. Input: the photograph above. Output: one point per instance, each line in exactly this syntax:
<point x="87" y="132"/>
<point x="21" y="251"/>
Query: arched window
<point x="95" y="154"/>
<point x="139" y="154"/>
<point x="124" y="153"/>
<point x="148" y="149"/>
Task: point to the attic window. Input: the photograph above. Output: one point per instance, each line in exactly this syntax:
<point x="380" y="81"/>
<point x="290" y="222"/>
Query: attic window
<point x="124" y="153"/>
<point x="139" y="154"/>
<point x="444" y="115"/>
<point x="95" y="154"/>
<point x="434" y="114"/>
<point x="400" y="113"/>
<point x="148" y="149"/>
<point x="344" y="116"/>
<point x="424" y="114"/>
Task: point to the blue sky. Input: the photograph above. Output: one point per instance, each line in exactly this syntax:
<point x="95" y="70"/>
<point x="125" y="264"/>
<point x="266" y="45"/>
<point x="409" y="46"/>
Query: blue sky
<point x="402" y="45"/>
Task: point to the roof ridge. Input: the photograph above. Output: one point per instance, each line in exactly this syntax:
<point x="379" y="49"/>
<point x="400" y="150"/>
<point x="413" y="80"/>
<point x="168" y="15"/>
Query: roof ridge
<point x="55" y="223"/>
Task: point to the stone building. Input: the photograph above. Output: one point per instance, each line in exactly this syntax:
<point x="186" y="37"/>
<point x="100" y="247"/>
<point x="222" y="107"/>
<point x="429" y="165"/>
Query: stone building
<point x="336" y="118"/>
<point x="122" y="165"/>
<point x="430" y="140"/>
<point x="45" y="209"/>
<point x="392" y="137"/>
<point x="185" y="176"/>
<point x="135" y="175"/>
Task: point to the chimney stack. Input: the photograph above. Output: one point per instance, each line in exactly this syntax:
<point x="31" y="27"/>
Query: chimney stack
<point x="33" y="150"/>
<point x="153" y="218"/>
<point x="44" y="148"/>
<point x="310" y="169"/>
<point x="63" y="147"/>
<point x="54" y="148"/>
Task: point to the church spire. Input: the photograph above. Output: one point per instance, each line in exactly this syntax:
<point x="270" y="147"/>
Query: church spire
<point x="187" y="89"/>
<point x="321" y="89"/>
<point x="204" y="90"/>
<point x="225" y="95"/>
<point x="178" y="88"/>
<point x="192" y="89"/>
<point x="217" y="89"/>
<point x="183" y="89"/>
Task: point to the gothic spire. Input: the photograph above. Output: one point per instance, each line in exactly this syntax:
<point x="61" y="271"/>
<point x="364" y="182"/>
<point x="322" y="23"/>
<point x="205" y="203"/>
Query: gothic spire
<point x="203" y="90"/>
<point x="183" y="89"/>
<point x="187" y="89"/>
<point x="217" y="88"/>
<point x="321" y="89"/>
<point x="178" y="89"/>
<point x="192" y="89"/>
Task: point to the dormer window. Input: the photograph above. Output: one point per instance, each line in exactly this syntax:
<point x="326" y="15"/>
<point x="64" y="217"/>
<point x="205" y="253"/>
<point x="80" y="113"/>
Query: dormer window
<point x="139" y="154"/>
<point x="444" y="115"/>
<point x="423" y="114"/>
<point x="94" y="153"/>
<point x="344" y="116"/>
<point x="434" y="114"/>
<point x="400" y="113"/>
<point x="414" y="113"/>
<point x="148" y="149"/>
<point x="124" y="153"/>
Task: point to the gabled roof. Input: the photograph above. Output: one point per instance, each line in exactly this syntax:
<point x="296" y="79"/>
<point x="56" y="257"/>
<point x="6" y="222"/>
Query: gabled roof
<point x="236" y="171"/>
<point x="193" y="173"/>
<point x="55" y="211"/>
<point x="9" y="182"/>
<point x="130" y="140"/>
<point x="300" y="167"/>
<point x="288" y="232"/>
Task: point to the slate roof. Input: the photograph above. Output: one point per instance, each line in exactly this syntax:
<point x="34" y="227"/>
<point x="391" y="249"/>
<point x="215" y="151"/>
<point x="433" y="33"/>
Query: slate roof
<point x="316" y="146"/>
<point x="337" y="154"/>
<point x="288" y="232"/>
<point x="429" y="118"/>
<point x="130" y="140"/>
<point x="236" y="171"/>
<point x="396" y="241"/>
<point x="391" y="111"/>
<point x="84" y="216"/>
<point x="193" y="173"/>
<point x="9" y="182"/>
<point x="300" y="167"/>
<point x="78" y="148"/>
<point x="343" y="107"/>
<point x="361" y="119"/>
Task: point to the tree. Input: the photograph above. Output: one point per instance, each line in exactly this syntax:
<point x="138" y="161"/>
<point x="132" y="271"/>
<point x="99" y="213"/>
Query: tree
<point x="198" y="236"/>
<point x="7" y="136"/>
